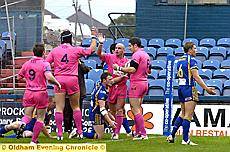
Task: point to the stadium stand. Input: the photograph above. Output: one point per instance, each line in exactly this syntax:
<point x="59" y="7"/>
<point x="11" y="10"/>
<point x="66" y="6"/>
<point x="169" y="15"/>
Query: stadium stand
<point x="151" y="52"/>
<point x="163" y="52"/>
<point x="124" y="41"/>
<point x="217" y="53"/>
<point x="157" y="87"/>
<point x="158" y="64"/>
<point x="162" y="74"/>
<point x="89" y="86"/>
<point x="205" y="74"/>
<point x="199" y="64"/>
<point x="200" y="89"/>
<point x="194" y="40"/>
<point x="178" y="52"/>
<point x="225" y="64"/>
<point x="86" y="42"/>
<point x="90" y="63"/>
<point x="107" y="43"/>
<point x="221" y="74"/>
<point x="202" y="53"/>
<point x="211" y="64"/>
<point x="225" y="42"/>
<point x="144" y="42"/>
<point x="217" y="84"/>
<point x="153" y="74"/>
<point x="156" y="42"/>
<point x="226" y="88"/>
<point x="208" y="42"/>
<point x="95" y="74"/>
<point x="173" y="42"/>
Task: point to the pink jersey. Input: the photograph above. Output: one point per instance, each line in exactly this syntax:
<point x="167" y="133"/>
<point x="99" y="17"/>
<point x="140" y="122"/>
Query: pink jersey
<point x="143" y="60"/>
<point x="65" y="58"/>
<point x="34" y="73"/>
<point x="111" y="59"/>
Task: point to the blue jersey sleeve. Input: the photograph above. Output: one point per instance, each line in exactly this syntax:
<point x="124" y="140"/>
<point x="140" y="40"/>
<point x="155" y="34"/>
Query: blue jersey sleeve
<point x="193" y="64"/>
<point x="102" y="95"/>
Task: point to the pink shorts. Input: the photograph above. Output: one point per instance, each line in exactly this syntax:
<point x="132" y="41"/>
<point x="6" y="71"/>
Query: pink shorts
<point x="37" y="99"/>
<point x="69" y="84"/>
<point x="138" y="89"/>
<point x="117" y="92"/>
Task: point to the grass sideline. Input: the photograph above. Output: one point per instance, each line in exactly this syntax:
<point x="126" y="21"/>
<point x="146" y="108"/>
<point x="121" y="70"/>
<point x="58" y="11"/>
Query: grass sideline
<point x="155" y="143"/>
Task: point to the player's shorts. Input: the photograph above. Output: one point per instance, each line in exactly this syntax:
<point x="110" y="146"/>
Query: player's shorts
<point x="117" y="92"/>
<point x="187" y="93"/>
<point x="69" y="84"/>
<point x="138" y="89"/>
<point x="37" y="99"/>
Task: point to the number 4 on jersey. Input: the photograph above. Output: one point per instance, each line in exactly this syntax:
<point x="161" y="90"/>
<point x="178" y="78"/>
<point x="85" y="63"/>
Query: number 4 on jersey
<point x="65" y="59"/>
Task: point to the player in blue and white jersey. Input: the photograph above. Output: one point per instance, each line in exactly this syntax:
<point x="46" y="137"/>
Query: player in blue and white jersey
<point x="188" y="95"/>
<point x="98" y="112"/>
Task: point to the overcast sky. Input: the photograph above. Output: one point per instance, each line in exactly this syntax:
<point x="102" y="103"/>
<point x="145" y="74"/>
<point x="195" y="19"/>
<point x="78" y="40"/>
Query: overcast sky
<point x="100" y="8"/>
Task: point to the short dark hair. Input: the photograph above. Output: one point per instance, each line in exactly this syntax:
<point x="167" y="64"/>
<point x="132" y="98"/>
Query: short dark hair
<point x="112" y="47"/>
<point x="104" y="76"/>
<point x="188" y="46"/>
<point x="135" y="40"/>
<point x="38" y="49"/>
<point x="66" y="37"/>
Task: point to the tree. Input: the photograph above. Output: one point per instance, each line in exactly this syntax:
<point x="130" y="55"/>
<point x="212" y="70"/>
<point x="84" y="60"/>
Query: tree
<point x="123" y="20"/>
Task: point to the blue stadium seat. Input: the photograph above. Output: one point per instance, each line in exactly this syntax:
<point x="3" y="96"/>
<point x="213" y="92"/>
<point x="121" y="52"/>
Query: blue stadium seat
<point x="153" y="74"/>
<point x="163" y="52"/>
<point x="6" y="38"/>
<point x="208" y="42"/>
<point x="222" y="74"/>
<point x="156" y="87"/>
<point x="107" y="43"/>
<point x="90" y="63"/>
<point x="158" y="64"/>
<point x="217" y="84"/>
<point x="86" y="42"/>
<point x="217" y="53"/>
<point x="124" y="41"/>
<point x="199" y="64"/>
<point x="225" y="64"/>
<point x="144" y="42"/>
<point x="178" y="52"/>
<point x="173" y="42"/>
<point x="205" y="74"/>
<point x="226" y="89"/>
<point x="157" y="43"/>
<point x="202" y="53"/>
<point x="211" y="64"/>
<point x="199" y="89"/>
<point x="95" y="57"/>
<point x="162" y="74"/>
<point x="95" y="74"/>
<point x="194" y="40"/>
<point x="151" y="52"/>
<point x="89" y="84"/>
<point x="225" y="42"/>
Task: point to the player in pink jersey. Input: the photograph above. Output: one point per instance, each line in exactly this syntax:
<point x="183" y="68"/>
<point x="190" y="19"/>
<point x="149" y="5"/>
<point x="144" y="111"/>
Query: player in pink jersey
<point x="118" y="90"/>
<point x="138" y="70"/>
<point x="36" y="71"/>
<point x="65" y="58"/>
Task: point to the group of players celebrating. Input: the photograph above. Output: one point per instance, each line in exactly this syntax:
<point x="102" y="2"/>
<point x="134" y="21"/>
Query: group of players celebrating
<point x="109" y="94"/>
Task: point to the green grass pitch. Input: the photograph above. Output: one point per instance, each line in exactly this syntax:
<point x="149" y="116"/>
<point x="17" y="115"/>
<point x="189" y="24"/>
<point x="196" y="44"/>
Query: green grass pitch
<point x="155" y="143"/>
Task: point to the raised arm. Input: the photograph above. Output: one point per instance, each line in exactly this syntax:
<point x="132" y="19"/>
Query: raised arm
<point x="101" y="40"/>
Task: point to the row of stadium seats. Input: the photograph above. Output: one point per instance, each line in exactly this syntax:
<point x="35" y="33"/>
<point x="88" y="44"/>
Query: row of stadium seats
<point x="172" y="42"/>
<point x="157" y="87"/>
